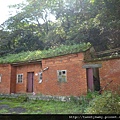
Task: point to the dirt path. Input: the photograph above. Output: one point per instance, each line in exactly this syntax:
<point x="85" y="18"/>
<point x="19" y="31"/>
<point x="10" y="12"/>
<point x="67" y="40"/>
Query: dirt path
<point x="8" y="109"/>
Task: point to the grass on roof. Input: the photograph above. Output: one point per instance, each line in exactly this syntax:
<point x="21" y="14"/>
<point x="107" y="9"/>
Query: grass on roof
<point x="34" y="55"/>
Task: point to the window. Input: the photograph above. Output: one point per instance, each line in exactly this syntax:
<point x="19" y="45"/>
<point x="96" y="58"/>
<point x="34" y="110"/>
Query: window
<point x="19" y="78"/>
<point x="40" y="77"/>
<point x="0" y="78"/>
<point x="62" y="75"/>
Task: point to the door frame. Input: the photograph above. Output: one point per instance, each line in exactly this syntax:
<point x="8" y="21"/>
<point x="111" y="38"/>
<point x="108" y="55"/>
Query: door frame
<point x="90" y="76"/>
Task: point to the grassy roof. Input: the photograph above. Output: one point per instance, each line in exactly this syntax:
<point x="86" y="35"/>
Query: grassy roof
<point x="35" y="55"/>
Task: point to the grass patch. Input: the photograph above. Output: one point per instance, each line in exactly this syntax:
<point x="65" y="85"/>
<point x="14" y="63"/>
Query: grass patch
<point x="51" y="107"/>
<point x="35" y="55"/>
<point x="2" y="111"/>
<point x="92" y="103"/>
<point x="11" y="103"/>
<point x="43" y="107"/>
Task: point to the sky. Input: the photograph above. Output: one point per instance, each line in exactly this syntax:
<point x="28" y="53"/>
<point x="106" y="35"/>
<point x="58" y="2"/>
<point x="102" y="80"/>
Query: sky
<point x="4" y="9"/>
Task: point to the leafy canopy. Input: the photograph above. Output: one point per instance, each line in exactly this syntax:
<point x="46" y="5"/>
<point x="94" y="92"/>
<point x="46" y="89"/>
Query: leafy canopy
<point x="75" y="22"/>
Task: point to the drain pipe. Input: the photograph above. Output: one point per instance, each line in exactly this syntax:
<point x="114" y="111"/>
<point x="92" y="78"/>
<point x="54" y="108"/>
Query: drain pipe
<point x="45" y="69"/>
<point x="42" y="71"/>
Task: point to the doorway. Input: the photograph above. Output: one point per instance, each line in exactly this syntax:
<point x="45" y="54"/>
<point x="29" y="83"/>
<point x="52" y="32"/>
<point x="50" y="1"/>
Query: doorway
<point x="93" y="80"/>
<point x="30" y="79"/>
<point x="96" y="79"/>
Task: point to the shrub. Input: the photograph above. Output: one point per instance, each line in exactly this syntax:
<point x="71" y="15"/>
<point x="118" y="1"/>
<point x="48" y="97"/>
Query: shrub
<point x="85" y="100"/>
<point x="22" y="98"/>
<point x="74" y="100"/>
<point x="107" y="103"/>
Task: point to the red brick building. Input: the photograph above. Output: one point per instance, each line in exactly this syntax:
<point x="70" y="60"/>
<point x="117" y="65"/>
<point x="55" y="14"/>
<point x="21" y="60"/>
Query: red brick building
<point x="64" y="75"/>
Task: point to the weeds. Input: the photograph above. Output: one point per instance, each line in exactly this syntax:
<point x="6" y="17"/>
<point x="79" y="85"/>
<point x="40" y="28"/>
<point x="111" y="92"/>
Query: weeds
<point x="107" y="103"/>
<point x="22" y="98"/>
<point x="92" y="103"/>
<point x="3" y="111"/>
<point x="33" y="55"/>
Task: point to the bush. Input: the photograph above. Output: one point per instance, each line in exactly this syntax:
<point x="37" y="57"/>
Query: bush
<point x="83" y="101"/>
<point x="22" y="98"/>
<point x="107" y="103"/>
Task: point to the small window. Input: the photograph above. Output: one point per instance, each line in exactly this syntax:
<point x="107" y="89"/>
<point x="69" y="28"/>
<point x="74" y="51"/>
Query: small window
<point x="0" y="78"/>
<point x="59" y="72"/>
<point x="64" y="72"/>
<point x="19" y="78"/>
<point x="40" y="77"/>
<point x="62" y="75"/>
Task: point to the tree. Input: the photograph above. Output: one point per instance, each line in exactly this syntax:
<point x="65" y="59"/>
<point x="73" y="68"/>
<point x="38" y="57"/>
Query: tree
<point x="78" y="21"/>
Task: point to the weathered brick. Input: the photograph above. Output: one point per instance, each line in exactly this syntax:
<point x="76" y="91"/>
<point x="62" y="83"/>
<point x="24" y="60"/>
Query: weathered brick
<point x="5" y="70"/>
<point x="76" y="84"/>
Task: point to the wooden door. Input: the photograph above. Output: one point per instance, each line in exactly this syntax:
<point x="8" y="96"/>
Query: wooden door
<point x="30" y="78"/>
<point x="90" y="83"/>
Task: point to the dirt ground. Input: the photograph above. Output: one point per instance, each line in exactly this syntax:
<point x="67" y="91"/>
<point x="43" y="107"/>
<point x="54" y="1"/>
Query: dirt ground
<point x="10" y="110"/>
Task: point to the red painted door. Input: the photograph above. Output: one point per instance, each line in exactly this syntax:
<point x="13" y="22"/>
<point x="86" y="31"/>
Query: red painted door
<point x="30" y="78"/>
<point x="90" y="82"/>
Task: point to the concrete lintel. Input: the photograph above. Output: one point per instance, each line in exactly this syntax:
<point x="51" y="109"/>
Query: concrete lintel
<point x="92" y="66"/>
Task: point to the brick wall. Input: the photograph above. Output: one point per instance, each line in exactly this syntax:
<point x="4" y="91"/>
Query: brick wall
<point x="110" y="71"/>
<point x="76" y="84"/>
<point x="24" y="69"/>
<point x="13" y="80"/>
<point x="76" y="77"/>
<point x="5" y="71"/>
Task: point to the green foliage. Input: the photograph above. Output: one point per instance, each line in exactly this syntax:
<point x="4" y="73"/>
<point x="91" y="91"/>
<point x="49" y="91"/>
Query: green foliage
<point x="92" y="95"/>
<point x="74" y="99"/>
<point x="22" y="98"/>
<point x="34" y="55"/>
<point x="107" y="103"/>
<point x="41" y="107"/>
<point x="77" y="21"/>
<point x="23" y="56"/>
<point x="83" y="101"/>
<point x="2" y="111"/>
<point x="92" y="103"/>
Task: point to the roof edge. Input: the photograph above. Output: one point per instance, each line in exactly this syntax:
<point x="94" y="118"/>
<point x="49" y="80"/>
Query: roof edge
<point x="26" y="62"/>
<point x="102" y="59"/>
